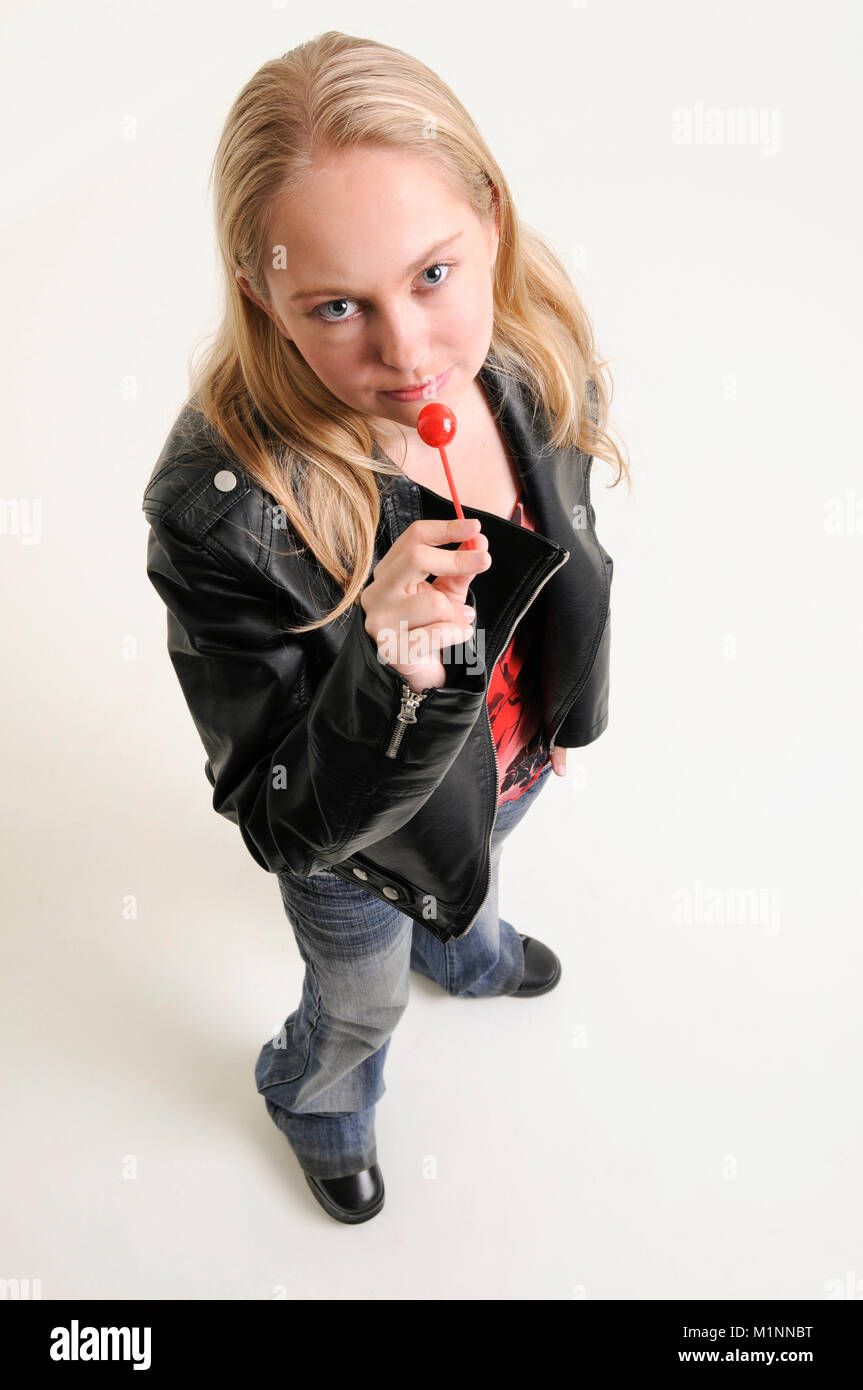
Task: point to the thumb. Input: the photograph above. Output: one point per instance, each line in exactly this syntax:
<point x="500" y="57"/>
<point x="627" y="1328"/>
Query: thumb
<point x="454" y="586"/>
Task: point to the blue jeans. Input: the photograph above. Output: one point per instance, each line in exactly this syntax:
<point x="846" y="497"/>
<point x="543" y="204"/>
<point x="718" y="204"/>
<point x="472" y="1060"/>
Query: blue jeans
<point x="322" y="1075"/>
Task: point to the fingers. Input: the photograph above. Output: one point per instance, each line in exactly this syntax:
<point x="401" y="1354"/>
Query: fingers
<point x="399" y="593"/>
<point x="429" y="641"/>
<point x="439" y="532"/>
<point x="421" y="555"/>
<point x="430" y="605"/>
<point x="411" y="650"/>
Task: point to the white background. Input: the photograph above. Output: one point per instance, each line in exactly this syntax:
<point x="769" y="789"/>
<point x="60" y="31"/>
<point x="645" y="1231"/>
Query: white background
<point x="681" y="1116"/>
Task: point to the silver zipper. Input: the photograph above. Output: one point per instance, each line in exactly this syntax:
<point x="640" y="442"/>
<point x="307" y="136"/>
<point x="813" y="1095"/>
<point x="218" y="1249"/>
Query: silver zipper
<point x="558" y="566"/>
<point x="411" y="700"/>
<point x="559" y="724"/>
<point x="567" y="707"/>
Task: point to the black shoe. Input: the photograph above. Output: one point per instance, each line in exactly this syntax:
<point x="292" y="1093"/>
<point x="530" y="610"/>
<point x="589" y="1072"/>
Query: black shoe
<point x="541" y="969"/>
<point x="354" y="1198"/>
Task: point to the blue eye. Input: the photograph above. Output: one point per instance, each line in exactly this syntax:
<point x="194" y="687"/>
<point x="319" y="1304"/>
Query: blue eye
<point x="346" y="318"/>
<point x="341" y="318"/>
<point x="439" y="265"/>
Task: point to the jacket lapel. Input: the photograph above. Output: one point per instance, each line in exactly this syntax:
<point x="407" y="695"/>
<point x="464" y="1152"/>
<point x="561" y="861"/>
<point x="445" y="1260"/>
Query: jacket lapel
<point x="557" y="481"/>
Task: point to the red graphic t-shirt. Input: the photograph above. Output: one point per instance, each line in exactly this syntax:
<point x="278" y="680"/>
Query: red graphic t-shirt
<point x="514" y="699"/>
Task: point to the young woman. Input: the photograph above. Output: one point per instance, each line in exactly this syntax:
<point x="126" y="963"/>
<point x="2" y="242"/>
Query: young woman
<point x="381" y="703"/>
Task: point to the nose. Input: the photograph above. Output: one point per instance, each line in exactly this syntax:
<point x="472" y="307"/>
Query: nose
<point x="400" y="338"/>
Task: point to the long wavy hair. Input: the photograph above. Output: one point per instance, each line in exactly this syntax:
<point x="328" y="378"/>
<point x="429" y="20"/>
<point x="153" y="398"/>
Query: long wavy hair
<point x="315" y="455"/>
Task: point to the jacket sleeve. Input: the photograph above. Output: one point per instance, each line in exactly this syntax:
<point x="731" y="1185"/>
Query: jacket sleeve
<point x="588" y="717"/>
<point x="305" y="774"/>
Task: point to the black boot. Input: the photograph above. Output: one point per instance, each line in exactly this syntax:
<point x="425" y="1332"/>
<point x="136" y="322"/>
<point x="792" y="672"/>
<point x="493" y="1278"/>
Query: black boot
<point x="354" y="1198"/>
<point x="541" y="969"/>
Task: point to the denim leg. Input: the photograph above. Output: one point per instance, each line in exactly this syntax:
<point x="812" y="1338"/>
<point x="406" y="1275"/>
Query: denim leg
<point x="322" y="1074"/>
<point x="489" y="958"/>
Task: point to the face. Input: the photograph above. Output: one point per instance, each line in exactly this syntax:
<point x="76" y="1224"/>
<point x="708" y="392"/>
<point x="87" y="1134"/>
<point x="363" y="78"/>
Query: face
<point x="387" y="282"/>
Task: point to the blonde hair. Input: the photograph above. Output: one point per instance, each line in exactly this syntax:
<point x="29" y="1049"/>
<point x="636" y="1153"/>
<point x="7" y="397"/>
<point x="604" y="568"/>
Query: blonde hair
<point x="304" y="446"/>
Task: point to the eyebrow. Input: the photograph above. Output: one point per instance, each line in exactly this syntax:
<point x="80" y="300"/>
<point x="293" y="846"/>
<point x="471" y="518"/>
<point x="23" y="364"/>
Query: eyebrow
<point x="420" y="264"/>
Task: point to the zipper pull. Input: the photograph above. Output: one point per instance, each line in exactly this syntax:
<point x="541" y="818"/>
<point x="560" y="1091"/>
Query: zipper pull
<point x="410" y="702"/>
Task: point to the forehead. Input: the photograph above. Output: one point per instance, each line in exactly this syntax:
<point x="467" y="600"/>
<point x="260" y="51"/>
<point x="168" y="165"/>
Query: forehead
<point x="358" y="212"/>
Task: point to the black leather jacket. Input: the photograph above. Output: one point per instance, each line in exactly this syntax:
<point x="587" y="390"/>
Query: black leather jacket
<point x="316" y="749"/>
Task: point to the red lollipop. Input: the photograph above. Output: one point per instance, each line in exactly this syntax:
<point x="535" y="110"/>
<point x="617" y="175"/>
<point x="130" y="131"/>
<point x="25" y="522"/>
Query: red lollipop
<point x="436" y="426"/>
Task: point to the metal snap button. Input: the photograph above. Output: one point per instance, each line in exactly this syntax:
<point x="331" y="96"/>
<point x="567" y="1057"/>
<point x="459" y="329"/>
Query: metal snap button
<point x="360" y="873"/>
<point x="390" y="892"/>
<point x="225" y="480"/>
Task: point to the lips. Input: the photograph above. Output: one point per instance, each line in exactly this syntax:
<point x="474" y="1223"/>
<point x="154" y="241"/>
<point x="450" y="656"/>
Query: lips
<point x="416" y="393"/>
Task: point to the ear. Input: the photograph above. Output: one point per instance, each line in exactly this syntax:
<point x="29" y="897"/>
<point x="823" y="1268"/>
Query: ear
<point x="243" y="281"/>
<point x="493" y="238"/>
<point x="493" y="227"/>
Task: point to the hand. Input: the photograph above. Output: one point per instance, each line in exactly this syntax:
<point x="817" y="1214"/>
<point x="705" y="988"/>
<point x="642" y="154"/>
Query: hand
<point x="558" y="761"/>
<point x="404" y="611"/>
